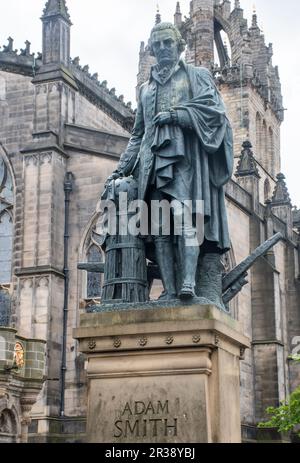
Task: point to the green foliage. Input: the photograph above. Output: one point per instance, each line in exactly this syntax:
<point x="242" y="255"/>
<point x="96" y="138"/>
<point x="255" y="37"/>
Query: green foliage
<point x="286" y="417"/>
<point x="296" y="358"/>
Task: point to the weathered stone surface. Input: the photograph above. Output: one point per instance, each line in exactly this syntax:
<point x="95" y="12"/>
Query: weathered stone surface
<point x="166" y="375"/>
<point x="22" y="374"/>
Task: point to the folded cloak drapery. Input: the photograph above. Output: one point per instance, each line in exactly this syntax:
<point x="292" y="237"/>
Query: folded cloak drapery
<point x="169" y="149"/>
<point x="202" y="158"/>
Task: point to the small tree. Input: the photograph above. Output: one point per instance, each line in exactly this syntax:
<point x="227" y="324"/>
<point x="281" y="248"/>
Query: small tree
<point x="286" y="417"/>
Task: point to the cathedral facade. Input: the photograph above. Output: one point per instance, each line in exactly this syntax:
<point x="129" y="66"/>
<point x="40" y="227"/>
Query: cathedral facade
<point x="62" y="132"/>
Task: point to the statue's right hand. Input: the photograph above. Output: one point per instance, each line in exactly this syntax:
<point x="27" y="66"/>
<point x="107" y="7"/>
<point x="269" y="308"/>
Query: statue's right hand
<point x="114" y="176"/>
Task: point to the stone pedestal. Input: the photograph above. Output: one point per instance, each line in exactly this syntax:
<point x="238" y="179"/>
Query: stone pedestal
<point x="163" y="375"/>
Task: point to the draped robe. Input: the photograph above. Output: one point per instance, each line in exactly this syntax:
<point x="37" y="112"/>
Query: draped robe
<point x="190" y="161"/>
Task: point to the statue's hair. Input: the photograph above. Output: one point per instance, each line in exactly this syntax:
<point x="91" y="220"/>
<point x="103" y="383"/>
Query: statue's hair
<point x="163" y="26"/>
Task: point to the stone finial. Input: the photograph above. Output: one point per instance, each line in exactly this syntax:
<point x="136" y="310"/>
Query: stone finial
<point x="76" y="61"/>
<point x="158" y="16"/>
<point x="121" y="98"/>
<point x="9" y="48"/>
<point x="95" y="76"/>
<point x="178" y="15"/>
<point x="86" y="68"/>
<point x="281" y="195"/>
<point x="26" y="50"/>
<point x="247" y="164"/>
<point x="113" y="91"/>
<point x="237" y="4"/>
<point x="254" y="18"/>
<point x="129" y="105"/>
<point x="56" y="8"/>
<point x="270" y="49"/>
<point x="104" y="84"/>
<point x="142" y="47"/>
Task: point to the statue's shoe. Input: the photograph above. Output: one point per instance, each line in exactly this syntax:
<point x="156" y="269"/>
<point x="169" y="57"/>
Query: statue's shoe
<point x="166" y="297"/>
<point x="187" y="292"/>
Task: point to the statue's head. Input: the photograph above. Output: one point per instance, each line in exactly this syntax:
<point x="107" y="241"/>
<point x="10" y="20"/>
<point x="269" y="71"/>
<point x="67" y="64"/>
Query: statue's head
<point x="166" y="43"/>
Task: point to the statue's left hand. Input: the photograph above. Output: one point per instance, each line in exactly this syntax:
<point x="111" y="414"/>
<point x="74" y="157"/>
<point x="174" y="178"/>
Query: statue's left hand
<point x="163" y="118"/>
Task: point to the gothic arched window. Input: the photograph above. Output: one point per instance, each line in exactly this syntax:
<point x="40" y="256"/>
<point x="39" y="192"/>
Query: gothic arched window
<point x="6" y="241"/>
<point x="258" y="130"/>
<point x="264" y="142"/>
<point x="94" y="280"/>
<point x="6" y="223"/>
<point x="271" y="150"/>
<point x="267" y="189"/>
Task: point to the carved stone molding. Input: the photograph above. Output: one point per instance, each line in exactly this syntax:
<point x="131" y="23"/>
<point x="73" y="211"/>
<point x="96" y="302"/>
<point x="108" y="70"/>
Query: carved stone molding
<point x="117" y="343"/>
<point x="143" y="341"/>
<point x="46" y="157"/>
<point x="92" y="344"/>
<point x="32" y="159"/>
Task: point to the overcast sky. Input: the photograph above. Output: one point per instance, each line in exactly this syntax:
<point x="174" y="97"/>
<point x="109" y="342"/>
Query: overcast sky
<point x="107" y="35"/>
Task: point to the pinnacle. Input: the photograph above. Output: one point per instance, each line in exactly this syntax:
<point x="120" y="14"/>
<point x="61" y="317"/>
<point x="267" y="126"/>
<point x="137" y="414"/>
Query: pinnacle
<point x="56" y="7"/>
<point x="281" y="195"/>
<point x="158" y="16"/>
<point x="247" y="164"/>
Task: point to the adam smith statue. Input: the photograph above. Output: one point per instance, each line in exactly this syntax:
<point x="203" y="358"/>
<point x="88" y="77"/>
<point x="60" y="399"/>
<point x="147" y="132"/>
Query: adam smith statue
<point x="181" y="148"/>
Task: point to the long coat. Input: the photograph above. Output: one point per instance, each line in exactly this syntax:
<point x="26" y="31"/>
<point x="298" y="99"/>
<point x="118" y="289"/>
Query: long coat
<point x="210" y="145"/>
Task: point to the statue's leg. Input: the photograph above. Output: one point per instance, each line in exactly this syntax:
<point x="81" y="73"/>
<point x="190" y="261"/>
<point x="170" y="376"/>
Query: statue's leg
<point x="189" y="252"/>
<point x="164" y="254"/>
<point x="211" y="276"/>
<point x="190" y="262"/>
<point x="164" y="249"/>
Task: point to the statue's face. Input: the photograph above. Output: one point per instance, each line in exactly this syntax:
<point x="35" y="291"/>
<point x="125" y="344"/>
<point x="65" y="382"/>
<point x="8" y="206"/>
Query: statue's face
<point x="165" y="47"/>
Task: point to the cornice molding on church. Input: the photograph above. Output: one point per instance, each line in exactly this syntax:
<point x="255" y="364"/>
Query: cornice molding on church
<point x="38" y="271"/>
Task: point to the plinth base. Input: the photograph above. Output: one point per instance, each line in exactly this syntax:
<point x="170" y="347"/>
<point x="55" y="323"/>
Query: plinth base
<point x="166" y="375"/>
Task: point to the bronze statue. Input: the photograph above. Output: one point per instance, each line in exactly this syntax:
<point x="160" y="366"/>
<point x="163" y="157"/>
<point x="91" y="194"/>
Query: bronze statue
<point x="181" y="148"/>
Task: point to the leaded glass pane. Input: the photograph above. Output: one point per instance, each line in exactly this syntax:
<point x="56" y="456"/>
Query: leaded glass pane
<point x="5" y="305"/>
<point x="94" y="284"/>
<point x="6" y="223"/>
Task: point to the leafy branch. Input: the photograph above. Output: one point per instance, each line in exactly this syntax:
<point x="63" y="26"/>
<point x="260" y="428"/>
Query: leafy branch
<point x="286" y="417"/>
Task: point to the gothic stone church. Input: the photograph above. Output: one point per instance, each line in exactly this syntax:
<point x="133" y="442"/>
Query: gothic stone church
<point x="61" y="134"/>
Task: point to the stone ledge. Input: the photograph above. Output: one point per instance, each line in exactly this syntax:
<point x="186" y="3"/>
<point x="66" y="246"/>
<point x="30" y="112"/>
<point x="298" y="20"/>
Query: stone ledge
<point x="159" y="328"/>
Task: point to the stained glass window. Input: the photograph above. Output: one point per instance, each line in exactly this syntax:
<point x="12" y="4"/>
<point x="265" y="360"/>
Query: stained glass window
<point x="6" y="241"/>
<point x="6" y="223"/>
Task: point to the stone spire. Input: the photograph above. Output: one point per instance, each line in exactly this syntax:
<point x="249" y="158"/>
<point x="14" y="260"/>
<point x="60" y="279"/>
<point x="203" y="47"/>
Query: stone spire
<point x="281" y="204"/>
<point x="254" y="19"/>
<point x="281" y="195"/>
<point x="158" y="16"/>
<point x="56" y="8"/>
<point x="247" y="164"/>
<point x="178" y="15"/>
<point x="237" y="4"/>
<point x="247" y="174"/>
<point x="56" y="34"/>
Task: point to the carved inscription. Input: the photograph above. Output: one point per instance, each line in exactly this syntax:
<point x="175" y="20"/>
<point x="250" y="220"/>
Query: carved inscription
<point x="146" y="419"/>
